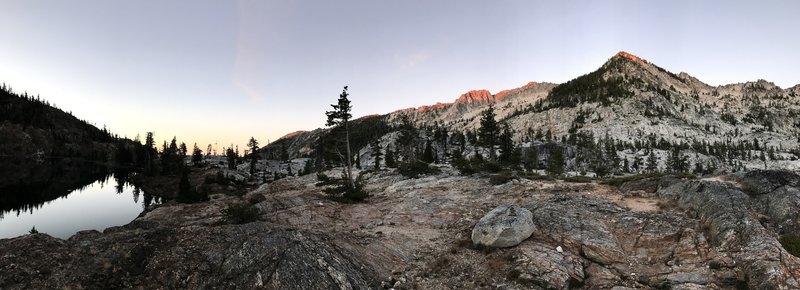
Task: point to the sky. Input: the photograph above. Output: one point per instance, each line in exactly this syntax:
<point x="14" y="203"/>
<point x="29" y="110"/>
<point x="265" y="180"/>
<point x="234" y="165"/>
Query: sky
<point x="220" y="72"/>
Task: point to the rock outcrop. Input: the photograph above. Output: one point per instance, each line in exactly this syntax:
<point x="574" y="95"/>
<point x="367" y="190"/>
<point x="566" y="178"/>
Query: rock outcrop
<point x="504" y="226"/>
<point x="734" y="229"/>
<point x="654" y="233"/>
<point x="150" y="255"/>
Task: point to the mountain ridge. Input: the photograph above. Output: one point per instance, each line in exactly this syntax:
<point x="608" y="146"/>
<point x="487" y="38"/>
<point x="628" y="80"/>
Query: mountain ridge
<point x="632" y="100"/>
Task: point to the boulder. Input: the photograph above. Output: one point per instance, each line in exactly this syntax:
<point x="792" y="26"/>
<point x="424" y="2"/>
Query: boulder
<point x="504" y="226"/>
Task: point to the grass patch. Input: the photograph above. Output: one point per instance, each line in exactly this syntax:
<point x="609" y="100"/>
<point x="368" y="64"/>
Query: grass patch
<point x="241" y="213"/>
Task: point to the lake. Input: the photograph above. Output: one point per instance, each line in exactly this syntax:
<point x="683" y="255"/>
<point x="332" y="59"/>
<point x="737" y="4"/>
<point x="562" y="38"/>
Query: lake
<point x="61" y="208"/>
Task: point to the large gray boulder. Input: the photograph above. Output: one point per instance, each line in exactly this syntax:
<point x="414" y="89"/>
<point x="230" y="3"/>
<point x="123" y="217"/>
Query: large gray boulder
<point x="504" y="226"/>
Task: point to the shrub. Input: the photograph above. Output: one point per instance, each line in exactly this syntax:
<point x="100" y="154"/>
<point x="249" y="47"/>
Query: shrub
<point x="488" y="166"/>
<point x="187" y="194"/>
<point x="714" y="265"/>
<point x="791" y="244"/>
<point x="578" y="179"/>
<point x="475" y="165"/>
<point x="325" y="180"/>
<point x="464" y="166"/>
<point x="240" y="213"/>
<point x="501" y="178"/>
<point x="415" y="168"/>
<point x="342" y="191"/>
<point x="618" y="181"/>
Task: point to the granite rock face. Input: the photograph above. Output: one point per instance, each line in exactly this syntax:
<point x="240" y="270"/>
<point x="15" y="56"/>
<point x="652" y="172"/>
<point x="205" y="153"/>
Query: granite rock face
<point x="151" y="256"/>
<point x="734" y="229"/>
<point x="418" y="234"/>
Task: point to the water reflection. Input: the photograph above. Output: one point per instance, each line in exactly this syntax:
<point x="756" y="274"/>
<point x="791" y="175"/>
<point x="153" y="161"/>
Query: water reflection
<point x="61" y="198"/>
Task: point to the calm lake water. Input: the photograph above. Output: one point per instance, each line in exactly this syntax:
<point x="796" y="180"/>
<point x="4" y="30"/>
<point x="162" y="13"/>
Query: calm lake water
<point x="105" y="203"/>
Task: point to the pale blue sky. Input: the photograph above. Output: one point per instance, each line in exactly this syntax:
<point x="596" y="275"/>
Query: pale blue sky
<point x="222" y="71"/>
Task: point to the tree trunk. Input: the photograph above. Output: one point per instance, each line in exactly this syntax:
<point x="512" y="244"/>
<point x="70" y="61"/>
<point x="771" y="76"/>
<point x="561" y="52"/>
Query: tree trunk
<point x="349" y="162"/>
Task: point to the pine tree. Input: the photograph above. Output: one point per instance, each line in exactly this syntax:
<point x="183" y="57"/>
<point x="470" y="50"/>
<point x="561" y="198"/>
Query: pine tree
<point x="309" y="167"/>
<point x="698" y="168"/>
<point x="391" y="162"/>
<point x="375" y="148"/>
<point x="197" y="155"/>
<point x="652" y="162"/>
<point x="507" y="149"/>
<point x="253" y="145"/>
<point x="231" y="157"/>
<point x="555" y="163"/>
<point x="183" y="151"/>
<point x="340" y="116"/>
<point x="406" y="140"/>
<point x="532" y="159"/>
<point x="489" y="132"/>
<point x="427" y="154"/>
<point x="677" y="161"/>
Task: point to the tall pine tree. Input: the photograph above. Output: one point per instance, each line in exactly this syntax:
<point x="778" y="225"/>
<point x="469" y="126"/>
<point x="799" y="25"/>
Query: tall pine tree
<point x="340" y="116"/>
<point x="489" y="132"/>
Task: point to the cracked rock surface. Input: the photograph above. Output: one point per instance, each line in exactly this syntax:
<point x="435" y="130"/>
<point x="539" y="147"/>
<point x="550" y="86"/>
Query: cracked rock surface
<point x="663" y="233"/>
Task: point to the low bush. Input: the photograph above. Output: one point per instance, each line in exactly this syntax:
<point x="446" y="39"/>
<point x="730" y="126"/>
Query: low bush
<point x="617" y="181"/>
<point x="475" y="165"/>
<point x="342" y="190"/>
<point x="416" y="168"/>
<point x="537" y="176"/>
<point x="241" y="213"/>
<point x="502" y="177"/>
<point x="792" y="244"/>
<point x="325" y="180"/>
<point x="578" y="179"/>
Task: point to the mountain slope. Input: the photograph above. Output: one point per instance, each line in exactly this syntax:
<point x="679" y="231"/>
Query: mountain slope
<point x="31" y="127"/>
<point x="639" y="105"/>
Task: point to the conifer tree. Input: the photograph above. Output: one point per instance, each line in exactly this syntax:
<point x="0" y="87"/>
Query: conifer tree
<point x="376" y="153"/>
<point x="197" y="155"/>
<point x="231" y="157"/>
<point x="340" y="116"/>
<point x="406" y="141"/>
<point x="309" y="167"/>
<point x="532" y="159"/>
<point x="253" y="145"/>
<point x="555" y="163"/>
<point x="427" y="154"/>
<point x="488" y="133"/>
<point x="678" y="162"/>
<point x="507" y="149"/>
<point x="183" y="151"/>
<point x="391" y="161"/>
<point x="652" y="162"/>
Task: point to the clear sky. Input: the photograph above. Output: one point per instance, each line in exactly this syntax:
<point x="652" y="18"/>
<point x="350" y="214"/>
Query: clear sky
<point x="222" y="71"/>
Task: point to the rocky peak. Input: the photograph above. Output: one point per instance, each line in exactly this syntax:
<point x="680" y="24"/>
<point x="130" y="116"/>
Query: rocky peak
<point x="761" y="84"/>
<point x="625" y="55"/>
<point x="502" y="94"/>
<point x="475" y="96"/>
